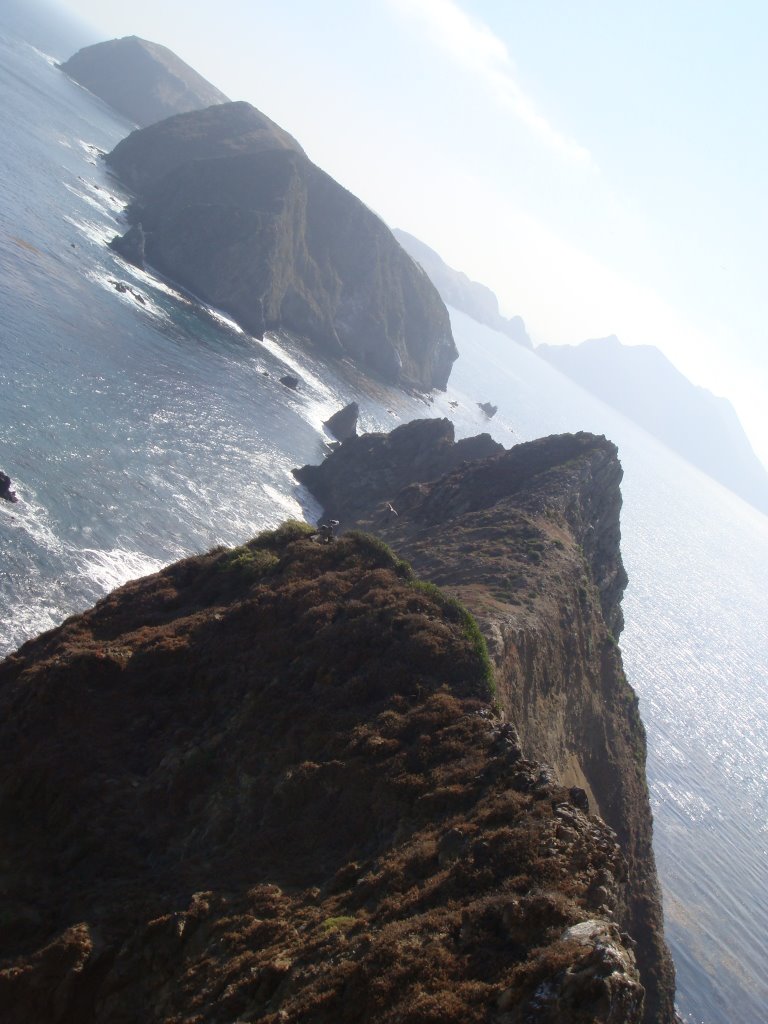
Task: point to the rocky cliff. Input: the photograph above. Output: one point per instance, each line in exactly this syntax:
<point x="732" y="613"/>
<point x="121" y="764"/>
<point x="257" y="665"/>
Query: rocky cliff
<point x="141" y="80"/>
<point x="231" y="208"/>
<point x="272" y="784"/>
<point x="641" y="383"/>
<point x="528" y="540"/>
<point x="459" y="291"/>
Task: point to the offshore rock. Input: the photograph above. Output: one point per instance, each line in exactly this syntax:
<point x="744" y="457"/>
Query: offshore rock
<point x="343" y="424"/>
<point x="143" y="81"/>
<point x="234" y="211"/>
<point x="131" y="245"/>
<point x="528" y="539"/>
<point x="273" y="787"/>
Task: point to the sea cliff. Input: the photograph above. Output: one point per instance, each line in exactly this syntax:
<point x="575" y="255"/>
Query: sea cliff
<point x="528" y="540"/>
<point x="231" y="208"/>
<point x="286" y="782"/>
<point x="141" y="80"/>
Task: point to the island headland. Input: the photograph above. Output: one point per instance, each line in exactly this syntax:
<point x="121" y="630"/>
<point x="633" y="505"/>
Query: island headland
<point x="228" y="205"/>
<point x="286" y="782"/>
<point x="143" y="81"/>
<point x="528" y="541"/>
<point x="457" y="290"/>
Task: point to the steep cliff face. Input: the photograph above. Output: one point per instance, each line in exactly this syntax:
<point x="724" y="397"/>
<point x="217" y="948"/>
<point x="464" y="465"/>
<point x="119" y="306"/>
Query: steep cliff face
<point x="528" y="540"/>
<point x="641" y="383"/>
<point x="459" y="291"/>
<point x="232" y="209"/>
<point x="269" y="784"/>
<point x="141" y="80"/>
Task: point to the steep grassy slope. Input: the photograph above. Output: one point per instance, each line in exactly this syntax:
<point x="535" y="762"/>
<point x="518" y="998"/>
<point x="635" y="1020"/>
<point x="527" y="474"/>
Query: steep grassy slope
<point x="270" y="784"/>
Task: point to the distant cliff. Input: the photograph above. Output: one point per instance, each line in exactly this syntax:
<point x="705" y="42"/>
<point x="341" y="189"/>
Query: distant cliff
<point x="232" y="209"/>
<point x="270" y="784"/>
<point x="641" y="383"/>
<point x="528" y="540"/>
<point x="459" y="291"/>
<point x="143" y="81"/>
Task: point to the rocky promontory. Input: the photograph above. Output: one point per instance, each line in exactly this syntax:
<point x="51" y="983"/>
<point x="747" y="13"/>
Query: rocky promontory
<point x="141" y="80"/>
<point x="461" y="292"/>
<point x="273" y="784"/>
<point x="528" y="540"/>
<point x="233" y="210"/>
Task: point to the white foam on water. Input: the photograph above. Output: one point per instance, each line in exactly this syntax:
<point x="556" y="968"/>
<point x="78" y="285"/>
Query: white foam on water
<point x="111" y="568"/>
<point x="98" y="233"/>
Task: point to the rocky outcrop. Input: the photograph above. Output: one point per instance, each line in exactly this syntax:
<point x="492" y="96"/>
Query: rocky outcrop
<point x="460" y="292"/>
<point x="234" y="211"/>
<point x="270" y="784"/>
<point x="143" y="81"/>
<point x="643" y="385"/>
<point x="528" y="540"/>
<point x="343" y="424"/>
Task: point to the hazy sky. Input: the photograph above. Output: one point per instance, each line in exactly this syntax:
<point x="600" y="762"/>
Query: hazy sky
<point x="602" y="166"/>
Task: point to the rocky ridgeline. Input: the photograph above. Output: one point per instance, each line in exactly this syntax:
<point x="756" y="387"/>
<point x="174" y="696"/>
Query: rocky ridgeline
<point x="141" y="80"/>
<point x="528" y="540"/>
<point x="272" y="783"/>
<point x="232" y="209"/>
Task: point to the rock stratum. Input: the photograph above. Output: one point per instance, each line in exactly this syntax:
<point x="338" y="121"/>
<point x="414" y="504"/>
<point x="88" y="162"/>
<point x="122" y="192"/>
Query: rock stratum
<point x="284" y="783"/>
<point x="141" y="80"/>
<point x="528" y="541"/>
<point x="457" y="290"/>
<point x="231" y="208"/>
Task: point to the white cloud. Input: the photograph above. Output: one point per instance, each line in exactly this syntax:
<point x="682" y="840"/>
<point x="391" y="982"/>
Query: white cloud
<point x="474" y="46"/>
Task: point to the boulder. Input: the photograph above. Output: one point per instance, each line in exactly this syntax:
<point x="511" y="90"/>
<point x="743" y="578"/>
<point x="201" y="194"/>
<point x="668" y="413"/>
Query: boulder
<point x="343" y="424"/>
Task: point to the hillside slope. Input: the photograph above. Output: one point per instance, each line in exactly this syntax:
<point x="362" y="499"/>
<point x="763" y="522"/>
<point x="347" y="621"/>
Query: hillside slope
<point x="459" y="291"/>
<point x="273" y="786"/>
<point x="641" y="383"/>
<point x="141" y="80"/>
<point x="229" y="206"/>
<point x="528" y="540"/>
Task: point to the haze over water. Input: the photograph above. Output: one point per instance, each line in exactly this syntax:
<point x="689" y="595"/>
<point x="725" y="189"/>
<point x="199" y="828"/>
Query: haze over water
<point x="138" y="432"/>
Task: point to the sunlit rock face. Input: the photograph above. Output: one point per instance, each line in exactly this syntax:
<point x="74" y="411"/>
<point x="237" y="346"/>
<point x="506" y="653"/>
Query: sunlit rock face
<point x="232" y="209"/>
<point x="141" y="80"/>
<point x="528" y="539"/>
<point x="272" y="783"/>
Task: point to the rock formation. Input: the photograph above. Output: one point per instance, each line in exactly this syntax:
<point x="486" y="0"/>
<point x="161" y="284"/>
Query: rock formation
<point x="528" y="540"/>
<point x="143" y="81"/>
<point x="232" y="209"/>
<point x="459" y="291"/>
<point x="343" y="424"/>
<point x="641" y="383"/>
<point x="270" y="784"/>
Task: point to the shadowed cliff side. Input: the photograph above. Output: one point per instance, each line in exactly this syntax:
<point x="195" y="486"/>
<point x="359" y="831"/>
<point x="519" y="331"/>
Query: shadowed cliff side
<point x="269" y="784"/>
<point x="231" y="208"/>
<point x="528" y="540"/>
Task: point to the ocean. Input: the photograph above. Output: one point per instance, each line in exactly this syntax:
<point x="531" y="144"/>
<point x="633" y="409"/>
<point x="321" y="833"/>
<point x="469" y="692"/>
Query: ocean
<point x="140" y="426"/>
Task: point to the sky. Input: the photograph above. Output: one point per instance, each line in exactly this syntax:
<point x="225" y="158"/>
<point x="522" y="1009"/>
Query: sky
<point x="601" y="166"/>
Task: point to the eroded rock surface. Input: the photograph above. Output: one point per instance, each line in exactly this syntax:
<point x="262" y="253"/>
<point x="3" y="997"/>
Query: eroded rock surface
<point x="528" y="539"/>
<point x="233" y="210"/>
<point x="270" y="784"/>
<point x="141" y="80"/>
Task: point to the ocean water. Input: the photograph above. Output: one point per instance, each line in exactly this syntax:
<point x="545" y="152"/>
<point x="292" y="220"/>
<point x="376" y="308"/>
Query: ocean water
<point x="139" y="430"/>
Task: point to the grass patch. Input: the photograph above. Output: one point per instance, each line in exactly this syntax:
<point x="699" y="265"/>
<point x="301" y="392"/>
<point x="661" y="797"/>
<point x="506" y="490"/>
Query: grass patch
<point x="334" y="924"/>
